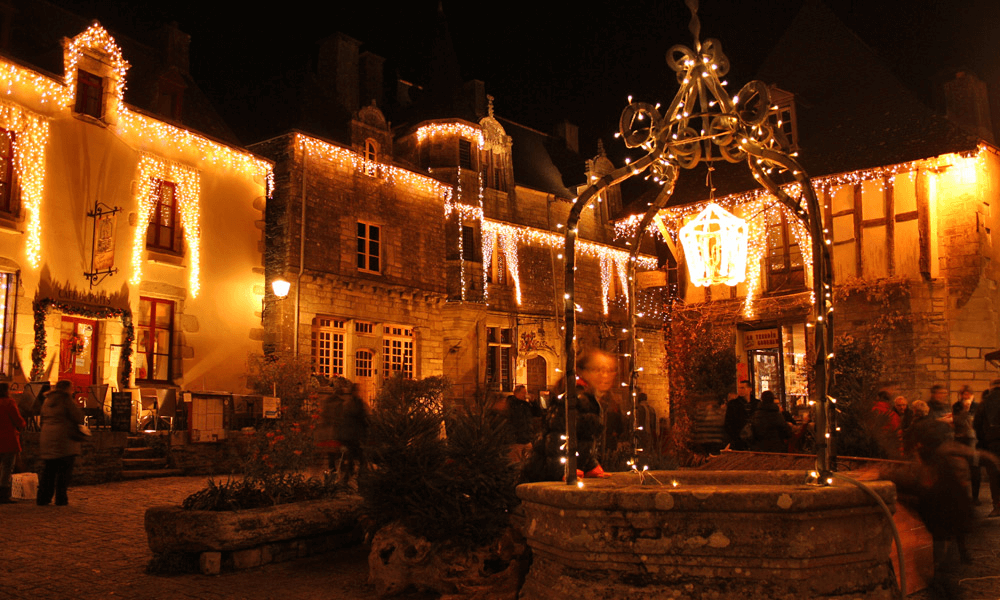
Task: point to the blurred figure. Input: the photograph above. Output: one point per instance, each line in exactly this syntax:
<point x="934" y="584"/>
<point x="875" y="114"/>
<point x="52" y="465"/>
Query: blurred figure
<point x="709" y="426"/>
<point x="351" y="431"/>
<point x="770" y="430"/>
<point x="986" y="425"/>
<point x="925" y="432"/>
<point x="596" y="371"/>
<point x="938" y="403"/>
<point x="11" y="426"/>
<point x="962" y="413"/>
<point x="663" y="440"/>
<point x="737" y="415"/>
<point x="902" y="407"/>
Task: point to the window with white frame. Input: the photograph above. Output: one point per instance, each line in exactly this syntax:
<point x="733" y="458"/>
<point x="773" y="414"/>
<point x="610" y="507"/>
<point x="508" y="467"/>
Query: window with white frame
<point x="397" y="351"/>
<point x="328" y="346"/>
<point x="369" y="248"/>
<point x="499" y="358"/>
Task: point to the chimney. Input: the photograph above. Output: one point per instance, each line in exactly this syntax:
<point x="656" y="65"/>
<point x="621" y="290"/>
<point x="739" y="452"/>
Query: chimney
<point x="569" y="133"/>
<point x="371" y="78"/>
<point x="967" y="104"/>
<point x="337" y="69"/>
<point x="176" y="47"/>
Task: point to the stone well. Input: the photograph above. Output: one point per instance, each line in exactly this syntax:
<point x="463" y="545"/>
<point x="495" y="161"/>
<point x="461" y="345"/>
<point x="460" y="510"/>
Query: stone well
<point x="707" y="534"/>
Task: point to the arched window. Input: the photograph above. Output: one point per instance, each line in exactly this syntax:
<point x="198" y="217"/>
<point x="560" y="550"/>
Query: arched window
<point x="371" y="150"/>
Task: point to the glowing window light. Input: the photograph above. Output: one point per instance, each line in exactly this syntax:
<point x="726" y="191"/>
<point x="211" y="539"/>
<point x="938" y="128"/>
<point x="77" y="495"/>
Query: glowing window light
<point x="187" y="184"/>
<point x="469" y="132"/>
<point x="715" y="246"/>
<point x="30" y="139"/>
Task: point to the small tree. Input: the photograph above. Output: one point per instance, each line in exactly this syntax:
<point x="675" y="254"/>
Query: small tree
<point x="858" y="372"/>
<point x="286" y="376"/>
<point x="457" y="489"/>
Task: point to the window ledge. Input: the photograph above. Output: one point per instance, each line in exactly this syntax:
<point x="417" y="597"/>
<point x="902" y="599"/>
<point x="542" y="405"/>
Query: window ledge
<point x="89" y="119"/>
<point x="168" y="259"/>
<point x="10" y="223"/>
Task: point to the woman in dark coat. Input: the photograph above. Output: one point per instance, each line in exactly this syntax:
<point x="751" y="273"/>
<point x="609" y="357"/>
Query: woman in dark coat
<point x="770" y="429"/>
<point x="61" y="415"/>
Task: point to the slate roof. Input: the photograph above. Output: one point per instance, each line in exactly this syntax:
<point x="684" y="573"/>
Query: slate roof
<point x="852" y="112"/>
<point x="36" y="40"/>
<point x="543" y="162"/>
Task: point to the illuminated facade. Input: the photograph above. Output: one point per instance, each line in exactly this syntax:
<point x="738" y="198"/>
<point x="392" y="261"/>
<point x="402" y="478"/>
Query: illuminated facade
<point x="450" y="265"/>
<point x="907" y="198"/>
<point x="130" y="253"/>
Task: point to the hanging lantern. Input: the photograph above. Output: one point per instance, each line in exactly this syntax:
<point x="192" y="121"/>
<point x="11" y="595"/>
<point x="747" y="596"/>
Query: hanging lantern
<point x="715" y="247"/>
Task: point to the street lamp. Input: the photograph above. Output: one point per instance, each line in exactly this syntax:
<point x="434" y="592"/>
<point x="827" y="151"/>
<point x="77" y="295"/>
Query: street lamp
<point x="280" y="288"/>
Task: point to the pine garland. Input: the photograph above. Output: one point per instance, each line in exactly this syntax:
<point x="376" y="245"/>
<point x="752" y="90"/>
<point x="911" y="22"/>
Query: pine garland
<point x="41" y="308"/>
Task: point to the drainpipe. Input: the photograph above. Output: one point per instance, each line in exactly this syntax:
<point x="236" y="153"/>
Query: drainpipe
<point x="302" y="253"/>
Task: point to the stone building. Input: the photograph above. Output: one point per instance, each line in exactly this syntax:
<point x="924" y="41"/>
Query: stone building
<point x="130" y="251"/>
<point x="908" y="197"/>
<point x="434" y="247"/>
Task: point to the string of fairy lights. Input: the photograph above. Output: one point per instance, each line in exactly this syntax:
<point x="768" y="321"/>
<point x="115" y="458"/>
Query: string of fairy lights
<point x="151" y="172"/>
<point x="451" y="129"/>
<point x="31" y="134"/>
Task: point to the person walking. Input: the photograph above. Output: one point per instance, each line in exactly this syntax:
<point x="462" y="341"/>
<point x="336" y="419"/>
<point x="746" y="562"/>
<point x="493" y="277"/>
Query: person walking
<point x="986" y="424"/>
<point x="737" y="416"/>
<point x="770" y="430"/>
<point x="519" y="415"/>
<point x="352" y="430"/>
<point x="11" y="425"/>
<point x="962" y="413"/>
<point x="61" y="417"/>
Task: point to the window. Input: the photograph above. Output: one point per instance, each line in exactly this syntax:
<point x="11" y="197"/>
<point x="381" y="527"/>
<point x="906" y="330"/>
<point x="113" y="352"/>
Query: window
<point x="784" y="259"/>
<point x="397" y="351"/>
<point x="8" y="198"/>
<point x="782" y="116"/>
<point x="371" y="150"/>
<point x="89" y="94"/>
<point x="364" y="363"/>
<point x="499" y="355"/>
<point x="369" y="248"/>
<point x="464" y="154"/>
<point x="496" y="175"/>
<point x="469" y="243"/>
<point x="8" y="293"/>
<point x="362" y="327"/>
<point x="328" y="347"/>
<point x="154" y="336"/>
<point x="162" y="232"/>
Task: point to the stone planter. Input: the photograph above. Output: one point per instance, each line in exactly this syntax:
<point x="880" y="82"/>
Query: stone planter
<point x="716" y="534"/>
<point x="236" y="540"/>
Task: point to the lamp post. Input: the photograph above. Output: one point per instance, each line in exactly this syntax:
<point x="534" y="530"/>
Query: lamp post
<point x="704" y="124"/>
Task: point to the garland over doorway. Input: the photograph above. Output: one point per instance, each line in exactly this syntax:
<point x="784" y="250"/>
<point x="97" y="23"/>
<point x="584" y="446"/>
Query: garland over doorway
<point x="41" y="308"/>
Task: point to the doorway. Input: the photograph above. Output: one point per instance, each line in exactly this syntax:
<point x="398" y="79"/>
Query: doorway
<point x="364" y="374"/>
<point x="77" y="339"/>
<point x="537" y="371"/>
<point x="766" y="373"/>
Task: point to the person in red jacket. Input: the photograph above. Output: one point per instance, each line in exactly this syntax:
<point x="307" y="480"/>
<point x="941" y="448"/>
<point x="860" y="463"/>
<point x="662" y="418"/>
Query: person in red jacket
<point x="11" y="425"/>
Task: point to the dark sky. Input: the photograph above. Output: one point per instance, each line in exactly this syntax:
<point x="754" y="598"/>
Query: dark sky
<point x="544" y="61"/>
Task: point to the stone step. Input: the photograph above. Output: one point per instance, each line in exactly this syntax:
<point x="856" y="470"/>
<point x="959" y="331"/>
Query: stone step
<point x="140" y="453"/>
<point x="139" y="464"/>
<point x="152" y="473"/>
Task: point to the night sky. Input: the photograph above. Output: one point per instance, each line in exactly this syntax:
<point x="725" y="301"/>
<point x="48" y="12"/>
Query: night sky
<point x="545" y="61"/>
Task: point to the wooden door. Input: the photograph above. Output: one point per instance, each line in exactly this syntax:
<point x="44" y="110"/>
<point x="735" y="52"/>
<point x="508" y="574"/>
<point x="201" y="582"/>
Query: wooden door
<point x="76" y="351"/>
<point x="537" y="375"/>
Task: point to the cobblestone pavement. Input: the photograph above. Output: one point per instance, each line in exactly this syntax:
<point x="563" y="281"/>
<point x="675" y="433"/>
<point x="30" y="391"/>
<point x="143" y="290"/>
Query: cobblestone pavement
<point x="96" y="548"/>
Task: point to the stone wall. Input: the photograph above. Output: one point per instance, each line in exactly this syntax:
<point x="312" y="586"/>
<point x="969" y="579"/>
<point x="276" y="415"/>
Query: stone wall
<point x="100" y="462"/>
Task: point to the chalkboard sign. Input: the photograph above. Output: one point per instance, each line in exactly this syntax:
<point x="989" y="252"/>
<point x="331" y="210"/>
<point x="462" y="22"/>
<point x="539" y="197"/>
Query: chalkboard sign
<point x="121" y="411"/>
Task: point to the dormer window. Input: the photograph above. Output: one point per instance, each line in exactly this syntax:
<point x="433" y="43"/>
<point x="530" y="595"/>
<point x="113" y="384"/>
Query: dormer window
<point x="496" y="172"/>
<point x="371" y="150"/>
<point x="8" y="198"/>
<point x="89" y="94"/>
<point x="783" y="116"/>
